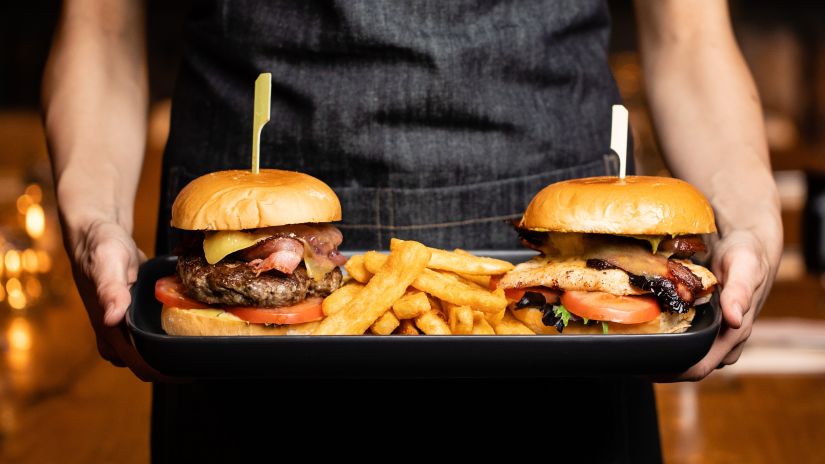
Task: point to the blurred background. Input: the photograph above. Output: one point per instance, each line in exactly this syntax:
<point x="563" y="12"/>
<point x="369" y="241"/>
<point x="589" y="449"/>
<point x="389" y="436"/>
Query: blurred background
<point x="59" y="402"/>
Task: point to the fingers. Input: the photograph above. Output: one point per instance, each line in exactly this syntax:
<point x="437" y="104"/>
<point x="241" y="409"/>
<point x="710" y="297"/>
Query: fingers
<point x="118" y="338"/>
<point x="743" y="274"/>
<point x="110" y="265"/>
<point x="733" y="356"/>
<point x="726" y="350"/>
<point x="108" y="353"/>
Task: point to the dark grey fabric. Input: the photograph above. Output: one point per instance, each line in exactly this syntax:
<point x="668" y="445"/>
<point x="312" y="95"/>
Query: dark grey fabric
<point x="434" y="120"/>
<point x="428" y="112"/>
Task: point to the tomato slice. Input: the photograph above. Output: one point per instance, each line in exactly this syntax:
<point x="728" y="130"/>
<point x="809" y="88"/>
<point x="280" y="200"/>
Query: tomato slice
<point x="602" y="306"/>
<point x="171" y="292"/>
<point x="306" y="311"/>
<point x="515" y="294"/>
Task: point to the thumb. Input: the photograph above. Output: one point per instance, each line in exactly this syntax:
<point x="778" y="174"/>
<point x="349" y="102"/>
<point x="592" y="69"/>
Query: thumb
<point x="109" y="272"/>
<point x="742" y="275"/>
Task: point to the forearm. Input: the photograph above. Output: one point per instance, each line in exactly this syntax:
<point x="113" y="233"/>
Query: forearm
<point x="707" y="115"/>
<point x="95" y="104"/>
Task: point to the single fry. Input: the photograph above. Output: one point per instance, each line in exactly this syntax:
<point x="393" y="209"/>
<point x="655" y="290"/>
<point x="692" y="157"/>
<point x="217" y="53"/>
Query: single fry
<point x="355" y="268"/>
<point x="448" y="288"/>
<point x="407" y="327"/>
<point x="480" y="325"/>
<point x="509" y="325"/>
<point x="435" y="303"/>
<point x="495" y="318"/>
<point x="460" y="319"/>
<point x="402" y="267"/>
<point x="411" y="305"/>
<point x="482" y="281"/>
<point x="431" y="324"/>
<point x="339" y="298"/>
<point x="373" y="260"/>
<point x="455" y="292"/>
<point x="460" y="278"/>
<point x="385" y="324"/>
<point x="465" y="263"/>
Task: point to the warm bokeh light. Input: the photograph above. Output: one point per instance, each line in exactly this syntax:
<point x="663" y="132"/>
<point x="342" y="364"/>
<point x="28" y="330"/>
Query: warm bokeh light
<point x="17" y="300"/>
<point x="35" y="193"/>
<point x="13" y="285"/>
<point x="33" y="287"/>
<point x="19" y="334"/>
<point x="2" y="293"/>
<point x="12" y="263"/>
<point x="35" y="221"/>
<point x="19" y="340"/>
<point x="23" y="203"/>
<point x="14" y="292"/>
<point x="44" y="261"/>
<point x="29" y="259"/>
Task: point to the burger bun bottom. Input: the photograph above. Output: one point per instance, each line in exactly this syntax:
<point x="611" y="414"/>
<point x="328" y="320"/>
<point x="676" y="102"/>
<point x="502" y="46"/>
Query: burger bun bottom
<point x="216" y="322"/>
<point x="664" y="323"/>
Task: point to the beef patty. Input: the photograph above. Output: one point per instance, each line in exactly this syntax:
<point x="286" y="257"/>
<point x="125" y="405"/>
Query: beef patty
<point x="234" y="283"/>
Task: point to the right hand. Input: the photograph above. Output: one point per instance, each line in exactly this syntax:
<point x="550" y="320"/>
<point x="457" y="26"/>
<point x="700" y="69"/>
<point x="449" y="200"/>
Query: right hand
<point x="105" y="262"/>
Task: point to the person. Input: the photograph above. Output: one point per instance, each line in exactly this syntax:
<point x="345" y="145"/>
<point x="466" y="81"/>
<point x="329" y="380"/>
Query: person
<point x="434" y="121"/>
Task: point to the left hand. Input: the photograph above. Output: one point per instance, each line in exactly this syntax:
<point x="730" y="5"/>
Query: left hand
<point x="745" y="263"/>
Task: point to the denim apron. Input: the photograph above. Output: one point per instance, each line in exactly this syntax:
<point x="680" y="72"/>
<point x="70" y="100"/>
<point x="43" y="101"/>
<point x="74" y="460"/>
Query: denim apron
<point x="432" y="120"/>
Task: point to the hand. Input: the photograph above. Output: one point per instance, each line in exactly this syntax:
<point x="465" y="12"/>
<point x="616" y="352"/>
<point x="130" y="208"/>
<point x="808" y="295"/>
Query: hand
<point x="105" y="261"/>
<point x="745" y="264"/>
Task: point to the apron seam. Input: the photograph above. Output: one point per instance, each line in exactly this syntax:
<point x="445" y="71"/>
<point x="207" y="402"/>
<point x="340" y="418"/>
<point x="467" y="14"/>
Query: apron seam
<point x="526" y="177"/>
<point x="432" y="225"/>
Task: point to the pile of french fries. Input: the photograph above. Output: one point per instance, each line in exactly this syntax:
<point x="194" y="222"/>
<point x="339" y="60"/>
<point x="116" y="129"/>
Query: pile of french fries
<point x="420" y="290"/>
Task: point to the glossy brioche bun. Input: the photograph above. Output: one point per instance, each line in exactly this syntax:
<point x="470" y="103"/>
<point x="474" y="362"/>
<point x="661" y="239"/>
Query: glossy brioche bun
<point x="237" y="200"/>
<point x="664" y="323"/>
<point x="198" y="322"/>
<point x="636" y="205"/>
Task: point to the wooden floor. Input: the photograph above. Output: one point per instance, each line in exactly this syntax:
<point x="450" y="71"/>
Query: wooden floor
<point x="60" y="403"/>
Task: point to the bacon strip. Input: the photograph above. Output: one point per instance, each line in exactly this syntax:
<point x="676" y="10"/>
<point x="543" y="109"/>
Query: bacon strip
<point x="288" y="245"/>
<point x="280" y="253"/>
<point x="682" y="247"/>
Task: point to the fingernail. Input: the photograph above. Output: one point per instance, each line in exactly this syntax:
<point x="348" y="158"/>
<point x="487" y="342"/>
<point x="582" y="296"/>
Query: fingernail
<point x="737" y="309"/>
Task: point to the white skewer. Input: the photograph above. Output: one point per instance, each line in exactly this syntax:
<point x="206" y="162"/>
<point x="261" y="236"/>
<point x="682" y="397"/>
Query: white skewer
<point x="618" y="137"/>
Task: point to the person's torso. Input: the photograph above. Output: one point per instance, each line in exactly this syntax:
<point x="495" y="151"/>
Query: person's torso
<point x="435" y="120"/>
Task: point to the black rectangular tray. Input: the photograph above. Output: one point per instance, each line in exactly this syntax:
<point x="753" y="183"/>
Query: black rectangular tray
<point x="452" y="356"/>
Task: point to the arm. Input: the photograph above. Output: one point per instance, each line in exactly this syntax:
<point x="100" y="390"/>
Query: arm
<point x="95" y="104"/>
<point x="709" y="122"/>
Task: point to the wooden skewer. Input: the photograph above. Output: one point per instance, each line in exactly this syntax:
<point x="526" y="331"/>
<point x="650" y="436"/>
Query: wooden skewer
<point x="618" y="137"/>
<point x="263" y="97"/>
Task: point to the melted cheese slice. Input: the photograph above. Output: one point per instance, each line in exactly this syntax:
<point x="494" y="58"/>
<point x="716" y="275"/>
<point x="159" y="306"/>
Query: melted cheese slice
<point x="217" y="245"/>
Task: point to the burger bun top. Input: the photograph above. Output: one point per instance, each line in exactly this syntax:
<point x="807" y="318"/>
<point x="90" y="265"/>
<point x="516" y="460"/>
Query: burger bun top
<point x="635" y="205"/>
<point x="238" y="200"/>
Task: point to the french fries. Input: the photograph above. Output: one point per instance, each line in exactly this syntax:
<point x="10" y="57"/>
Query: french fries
<point x="389" y="283"/>
<point x="355" y="268"/>
<point x="482" y="281"/>
<point x="460" y="319"/>
<point x="407" y="327"/>
<point x="464" y="263"/>
<point x="432" y="324"/>
<point x="417" y="290"/>
<point x="339" y="298"/>
<point x="411" y="305"/>
<point x="447" y="288"/>
<point x="480" y="325"/>
<point x="509" y="325"/>
<point x="385" y="324"/>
